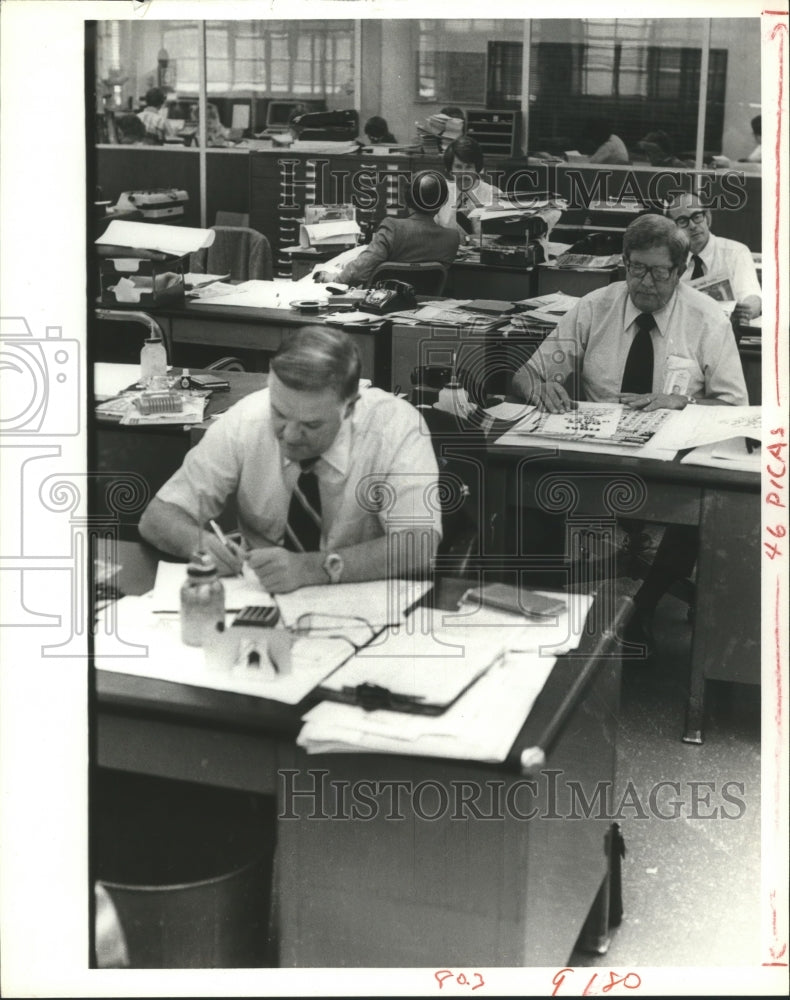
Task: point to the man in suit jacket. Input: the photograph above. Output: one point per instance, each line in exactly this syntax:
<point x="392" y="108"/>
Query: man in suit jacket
<point x="415" y="239"/>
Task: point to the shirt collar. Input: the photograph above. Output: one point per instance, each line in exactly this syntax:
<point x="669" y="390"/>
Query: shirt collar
<point x="661" y="316"/>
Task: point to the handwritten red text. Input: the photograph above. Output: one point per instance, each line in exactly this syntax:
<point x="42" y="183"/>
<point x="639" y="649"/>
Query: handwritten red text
<point x="461" y="979"/>
<point x="776" y="469"/>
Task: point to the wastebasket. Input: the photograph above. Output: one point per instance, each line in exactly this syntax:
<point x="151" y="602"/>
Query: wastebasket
<point x="188" y="868"/>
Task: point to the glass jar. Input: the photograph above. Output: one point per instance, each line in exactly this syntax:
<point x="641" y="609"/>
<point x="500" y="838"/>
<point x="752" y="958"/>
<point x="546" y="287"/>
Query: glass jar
<point x="153" y="362"/>
<point x="202" y="600"/>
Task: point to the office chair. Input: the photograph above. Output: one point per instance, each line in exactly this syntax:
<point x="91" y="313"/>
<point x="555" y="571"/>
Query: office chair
<point x="426" y="277"/>
<point x="243" y="253"/>
<point x="232" y="219"/>
<point x="459" y="497"/>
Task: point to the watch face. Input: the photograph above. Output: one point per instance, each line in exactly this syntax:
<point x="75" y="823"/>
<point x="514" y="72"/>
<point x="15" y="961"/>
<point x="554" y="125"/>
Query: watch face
<point x="333" y="565"/>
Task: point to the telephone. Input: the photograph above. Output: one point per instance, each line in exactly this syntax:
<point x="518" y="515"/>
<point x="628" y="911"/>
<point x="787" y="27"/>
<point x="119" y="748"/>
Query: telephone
<point x="389" y="296"/>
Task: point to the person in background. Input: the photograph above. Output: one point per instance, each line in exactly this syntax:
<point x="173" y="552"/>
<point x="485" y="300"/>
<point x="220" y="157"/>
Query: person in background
<point x="463" y="161"/>
<point x="129" y="129"/>
<point x="650" y="342"/>
<point x="216" y="133"/>
<point x="415" y="239"/>
<point x="716" y="256"/>
<point x="659" y="150"/>
<point x="756" y="155"/>
<point x="609" y="148"/>
<point x="378" y="132"/>
<point x="152" y="116"/>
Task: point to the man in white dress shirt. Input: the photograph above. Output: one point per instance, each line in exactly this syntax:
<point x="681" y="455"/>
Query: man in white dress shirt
<point x="715" y="255"/>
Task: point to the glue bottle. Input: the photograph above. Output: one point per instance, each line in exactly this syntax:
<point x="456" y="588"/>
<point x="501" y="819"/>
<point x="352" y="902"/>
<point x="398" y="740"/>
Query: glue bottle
<point x="153" y="361"/>
<point x="202" y="600"/>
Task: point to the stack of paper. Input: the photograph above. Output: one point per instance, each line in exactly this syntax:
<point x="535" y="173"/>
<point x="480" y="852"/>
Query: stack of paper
<point x="740" y="454"/>
<point x="253" y="294"/>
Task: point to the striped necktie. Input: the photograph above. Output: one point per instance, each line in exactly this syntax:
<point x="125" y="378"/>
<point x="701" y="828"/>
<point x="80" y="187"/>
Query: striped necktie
<point x="638" y="372"/>
<point x="303" y="528"/>
<point x="699" y="270"/>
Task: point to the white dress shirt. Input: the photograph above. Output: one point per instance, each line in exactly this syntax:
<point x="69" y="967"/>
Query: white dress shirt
<point x="379" y="473"/>
<point x="727" y="257"/>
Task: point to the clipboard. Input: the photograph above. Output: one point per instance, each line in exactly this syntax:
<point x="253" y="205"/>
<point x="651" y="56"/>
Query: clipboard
<point x="443" y="665"/>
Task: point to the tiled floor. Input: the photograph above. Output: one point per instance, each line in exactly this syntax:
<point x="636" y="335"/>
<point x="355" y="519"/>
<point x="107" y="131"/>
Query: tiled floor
<point x="690" y="885"/>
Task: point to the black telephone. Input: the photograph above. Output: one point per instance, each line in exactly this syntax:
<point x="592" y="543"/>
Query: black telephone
<point x="389" y="296"/>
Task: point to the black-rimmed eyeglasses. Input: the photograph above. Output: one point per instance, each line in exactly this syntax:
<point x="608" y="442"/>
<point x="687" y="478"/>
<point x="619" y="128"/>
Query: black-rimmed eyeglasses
<point x="658" y="272"/>
<point x="684" y="220"/>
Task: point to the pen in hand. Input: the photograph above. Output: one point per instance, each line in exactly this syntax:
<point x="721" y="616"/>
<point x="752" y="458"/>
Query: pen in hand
<point x="231" y="547"/>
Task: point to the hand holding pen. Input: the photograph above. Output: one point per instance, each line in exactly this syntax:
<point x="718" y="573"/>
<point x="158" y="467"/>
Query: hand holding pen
<point x="229" y="554"/>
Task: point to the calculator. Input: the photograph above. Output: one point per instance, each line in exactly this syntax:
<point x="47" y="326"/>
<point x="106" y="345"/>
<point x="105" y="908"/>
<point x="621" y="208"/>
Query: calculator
<point x="264" y="616"/>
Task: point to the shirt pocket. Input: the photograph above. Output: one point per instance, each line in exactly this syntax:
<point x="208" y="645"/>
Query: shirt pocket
<point x="682" y="376"/>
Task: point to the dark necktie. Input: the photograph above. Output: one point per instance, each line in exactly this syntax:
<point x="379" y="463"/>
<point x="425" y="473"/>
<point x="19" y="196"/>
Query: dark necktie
<point x="638" y="372"/>
<point x="303" y="529"/>
<point x="699" y="271"/>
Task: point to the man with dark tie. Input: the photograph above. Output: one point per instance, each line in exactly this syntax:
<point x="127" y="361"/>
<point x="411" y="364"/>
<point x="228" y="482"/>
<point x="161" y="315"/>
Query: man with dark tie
<point x="331" y="482"/>
<point x="650" y="342"/>
<point x="716" y="257"/>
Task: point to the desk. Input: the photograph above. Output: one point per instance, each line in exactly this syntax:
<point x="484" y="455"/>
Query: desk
<point x="592" y="490"/>
<point x="218" y="330"/>
<point x="129" y="464"/>
<point x="389" y="892"/>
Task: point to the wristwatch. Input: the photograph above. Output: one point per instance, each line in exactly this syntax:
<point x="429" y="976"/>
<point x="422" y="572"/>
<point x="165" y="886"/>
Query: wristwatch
<point x="333" y="567"/>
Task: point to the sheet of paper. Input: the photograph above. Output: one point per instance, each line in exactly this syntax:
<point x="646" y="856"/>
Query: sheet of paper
<point x="696" y="425"/>
<point x="596" y="422"/>
<point x="110" y="379"/>
<point x="509" y="411"/>
<point x="159" y="653"/>
<point x="196" y="280"/>
<point x="379" y="602"/>
<point x="239" y="590"/>
<point x="153" y="236"/>
<point x="253" y="294"/>
<point x="731" y="454"/>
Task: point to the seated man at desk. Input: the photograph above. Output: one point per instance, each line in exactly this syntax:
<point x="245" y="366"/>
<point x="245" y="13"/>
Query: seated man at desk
<point x="412" y="240"/>
<point x="715" y="256"/>
<point x="329" y="482"/>
<point x="651" y="342"/>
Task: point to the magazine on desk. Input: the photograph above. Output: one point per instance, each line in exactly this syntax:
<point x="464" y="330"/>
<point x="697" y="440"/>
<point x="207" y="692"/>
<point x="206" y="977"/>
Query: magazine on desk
<point x="601" y="422"/>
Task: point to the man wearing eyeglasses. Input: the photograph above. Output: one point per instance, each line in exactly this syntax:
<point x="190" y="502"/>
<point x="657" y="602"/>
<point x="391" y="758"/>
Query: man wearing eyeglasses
<point x="650" y="342"/>
<point x="715" y="256"/>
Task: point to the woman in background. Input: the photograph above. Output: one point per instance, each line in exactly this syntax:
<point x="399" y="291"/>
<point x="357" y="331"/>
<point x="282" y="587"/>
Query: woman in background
<point x="463" y="162"/>
<point x="609" y="148"/>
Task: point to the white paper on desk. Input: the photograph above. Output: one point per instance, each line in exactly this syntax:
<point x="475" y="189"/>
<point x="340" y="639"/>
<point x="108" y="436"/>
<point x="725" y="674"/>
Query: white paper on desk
<point x="730" y="454"/>
<point x="166" y="658"/>
<point x="552" y="302"/>
<point x="598" y="422"/>
<point x="152" y="236"/>
<point x="239" y="591"/>
<point x="321" y="234"/>
<point x="481" y="725"/>
<point x="509" y="411"/>
<point x="111" y="379"/>
<point x="196" y="280"/>
<point x="696" y="425"/>
<point x="253" y="294"/>
<point x="379" y="602"/>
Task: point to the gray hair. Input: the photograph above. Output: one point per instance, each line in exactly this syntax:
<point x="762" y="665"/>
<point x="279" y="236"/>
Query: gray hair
<point x="314" y="357"/>
<point x="650" y="231"/>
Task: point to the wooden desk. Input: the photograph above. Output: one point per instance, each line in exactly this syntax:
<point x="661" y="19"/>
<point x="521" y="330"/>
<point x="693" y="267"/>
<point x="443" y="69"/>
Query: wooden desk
<point x="594" y="490"/>
<point x="401" y="892"/>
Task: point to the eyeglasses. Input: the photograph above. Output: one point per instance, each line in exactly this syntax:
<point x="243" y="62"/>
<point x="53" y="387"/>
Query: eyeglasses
<point x="658" y="272"/>
<point x="352" y="628"/>
<point x="684" y="220"/>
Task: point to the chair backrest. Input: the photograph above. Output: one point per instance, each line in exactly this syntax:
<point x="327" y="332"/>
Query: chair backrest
<point x="232" y="219"/>
<point x="426" y="277"/>
<point x="242" y="252"/>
